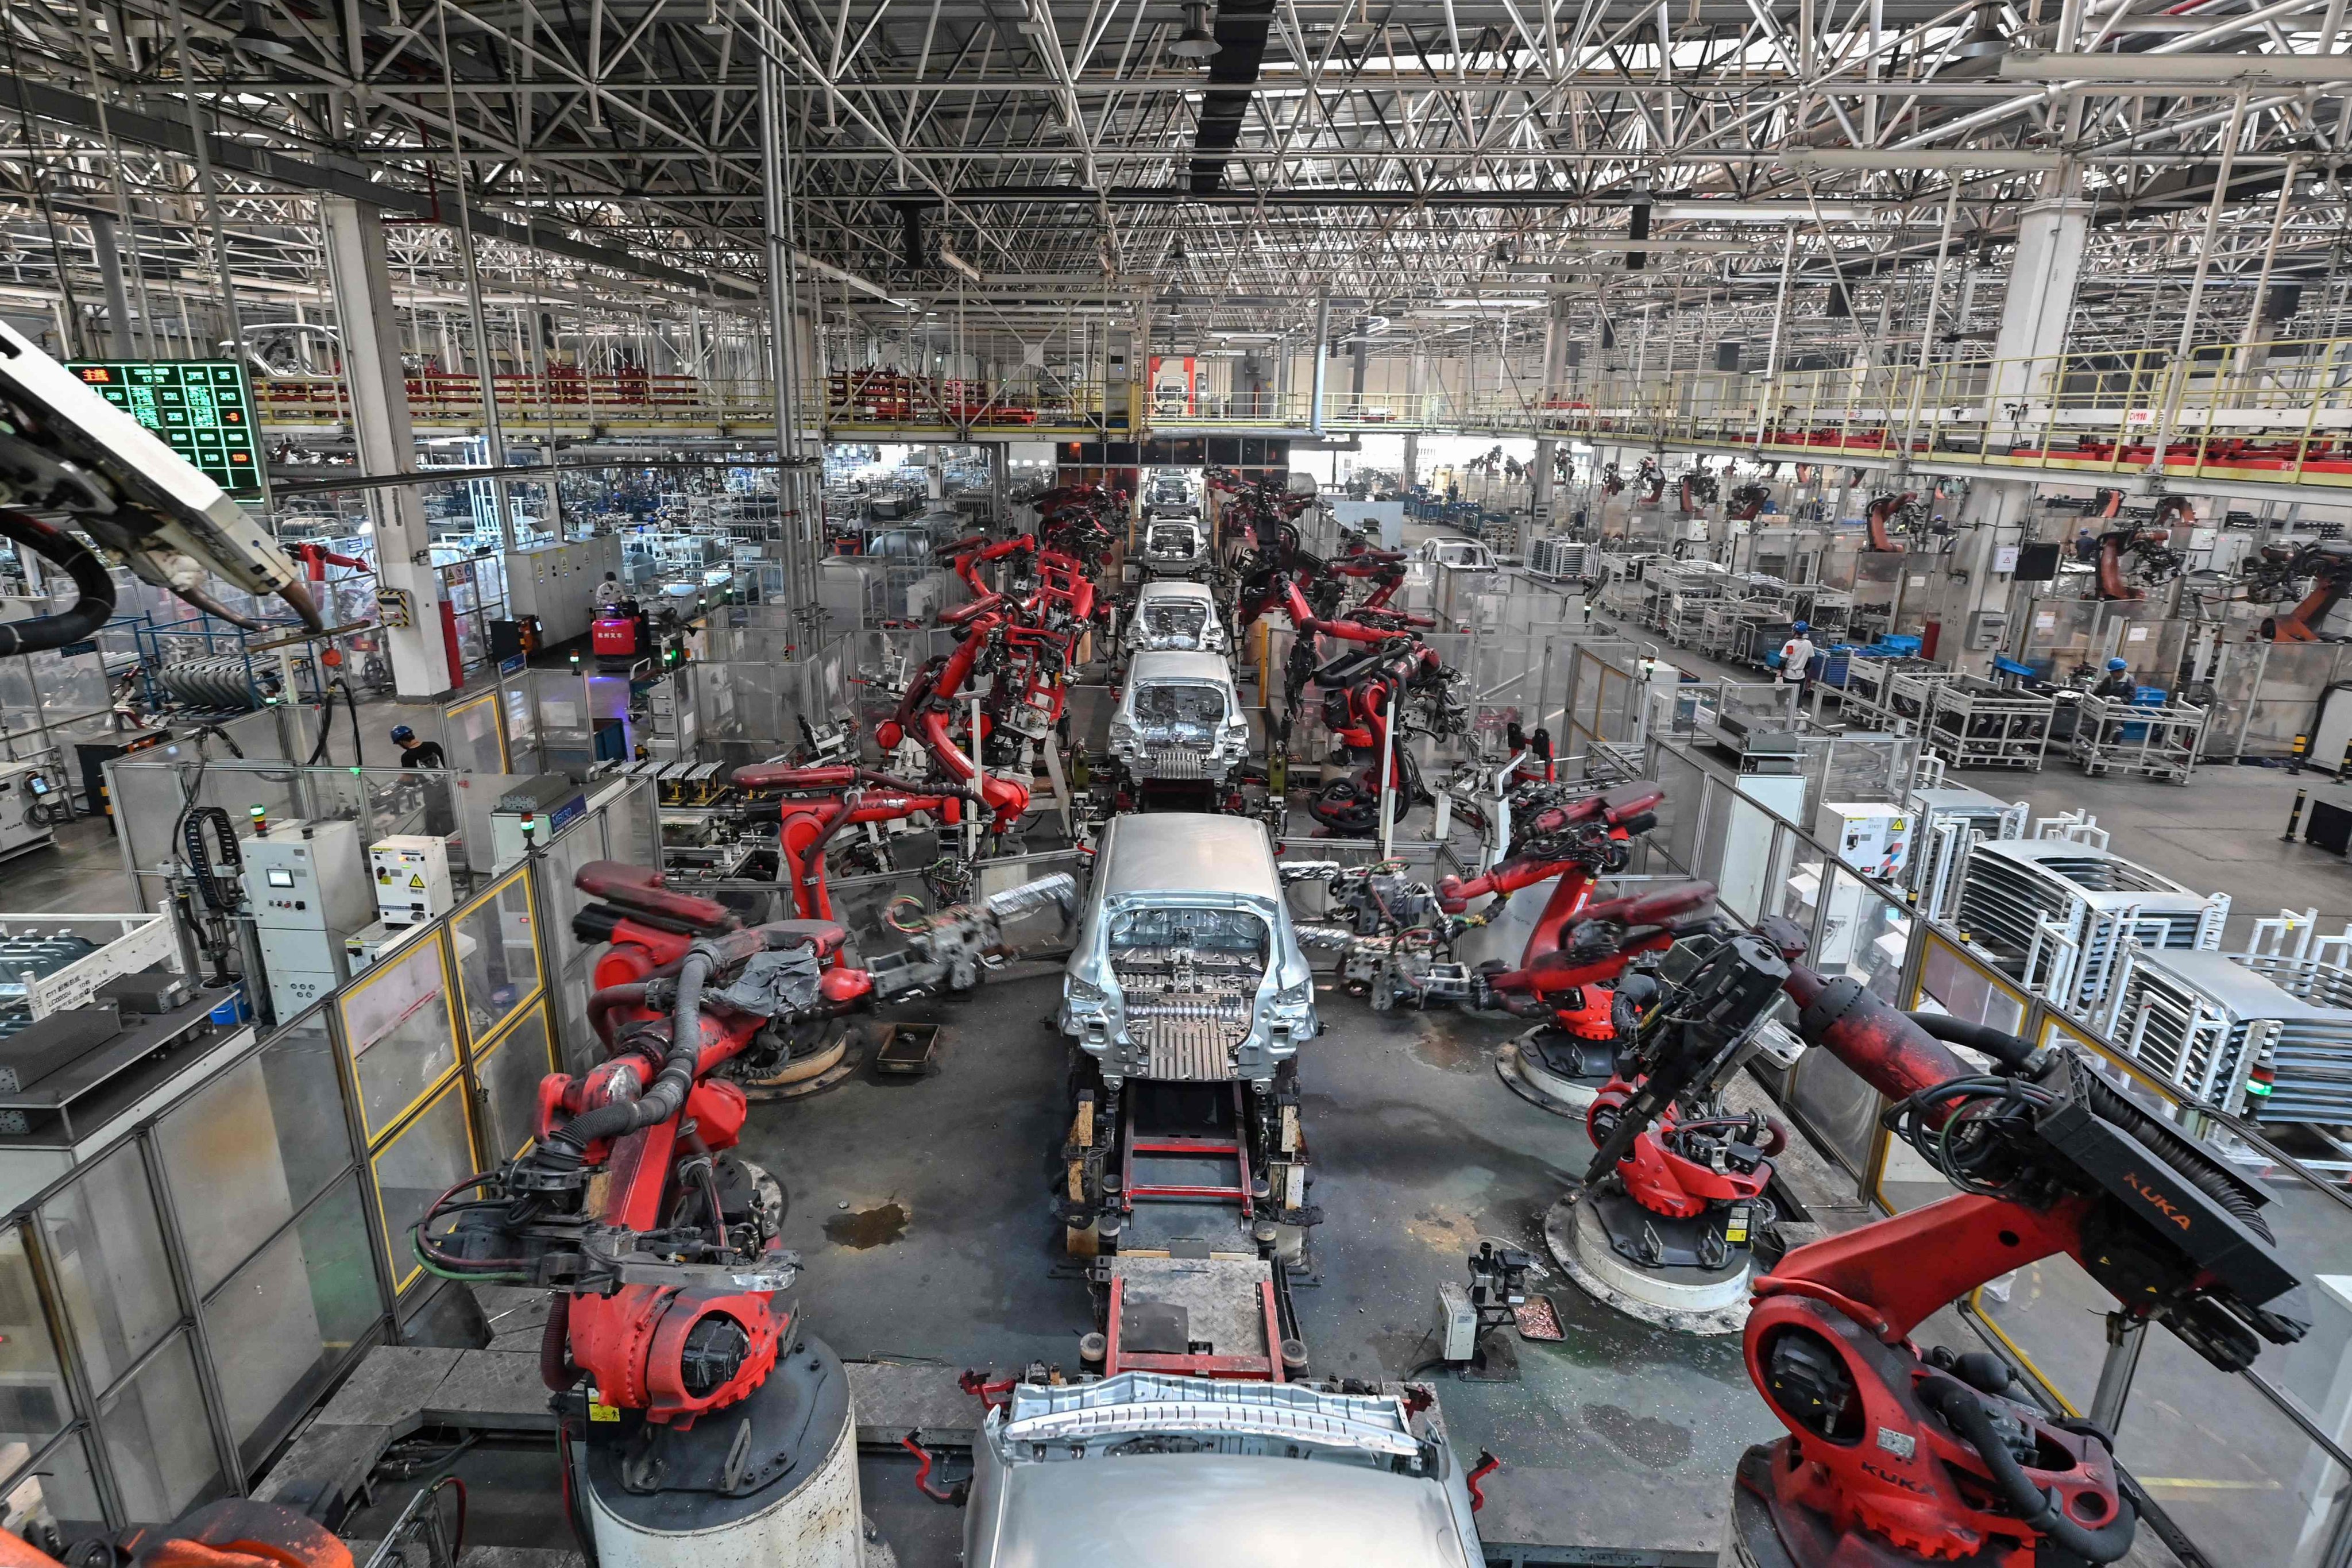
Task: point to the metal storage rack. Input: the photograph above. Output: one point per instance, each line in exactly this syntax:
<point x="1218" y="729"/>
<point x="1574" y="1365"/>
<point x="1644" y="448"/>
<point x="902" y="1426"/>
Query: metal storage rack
<point x="2156" y="741"/>
<point x="1972" y="723"/>
<point x="2202" y="1023"/>
<point x="1561" y="558"/>
<point x="2055" y="912"/>
<point x="1945" y="819"/>
<point x="2311" y="1058"/>
<point x="1868" y="696"/>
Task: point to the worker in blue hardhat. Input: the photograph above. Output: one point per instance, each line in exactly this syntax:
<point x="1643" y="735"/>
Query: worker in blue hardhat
<point x="416" y="753"/>
<point x="2118" y="684"/>
<point x="1797" y="661"/>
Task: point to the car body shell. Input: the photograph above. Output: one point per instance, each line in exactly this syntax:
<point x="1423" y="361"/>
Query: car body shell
<point x="1142" y="637"/>
<point x="1150" y="747"/>
<point x="1186" y="860"/>
<point x="1088" y="1474"/>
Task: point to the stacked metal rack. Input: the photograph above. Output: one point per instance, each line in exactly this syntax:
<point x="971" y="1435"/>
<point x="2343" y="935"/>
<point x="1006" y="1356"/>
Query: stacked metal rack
<point x="1945" y="820"/>
<point x="2157" y="741"/>
<point x="1973" y="723"/>
<point x="2203" y="1021"/>
<point x="1868" y="698"/>
<point x="2055" y="913"/>
<point x="1561" y="558"/>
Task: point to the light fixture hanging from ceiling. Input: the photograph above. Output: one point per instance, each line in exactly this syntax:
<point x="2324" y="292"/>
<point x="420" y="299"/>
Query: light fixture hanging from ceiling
<point x="1196" y="42"/>
<point x="254" y="36"/>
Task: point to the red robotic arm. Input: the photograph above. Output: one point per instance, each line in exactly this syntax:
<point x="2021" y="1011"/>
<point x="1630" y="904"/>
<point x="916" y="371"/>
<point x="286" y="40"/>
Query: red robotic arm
<point x="1880" y="517"/>
<point x="1894" y="1458"/>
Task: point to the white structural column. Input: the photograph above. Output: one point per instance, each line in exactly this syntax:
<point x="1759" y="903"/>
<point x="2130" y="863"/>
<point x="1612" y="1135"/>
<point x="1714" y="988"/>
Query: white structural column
<point x="362" y="281"/>
<point x="1555" y="378"/>
<point x="1414" y="415"/>
<point x="2051" y="240"/>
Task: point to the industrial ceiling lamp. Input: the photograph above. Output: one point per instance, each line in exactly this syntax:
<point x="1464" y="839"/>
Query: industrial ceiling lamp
<point x="1176" y="257"/>
<point x="1196" y="42"/>
<point x="254" y="36"/>
<point x="715" y="19"/>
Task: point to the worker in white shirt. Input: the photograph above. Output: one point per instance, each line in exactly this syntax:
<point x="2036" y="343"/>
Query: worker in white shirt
<point x="1796" y="663"/>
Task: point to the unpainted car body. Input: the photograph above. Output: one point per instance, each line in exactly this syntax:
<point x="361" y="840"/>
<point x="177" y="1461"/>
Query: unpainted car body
<point x="1147" y="1470"/>
<point x="1180" y="718"/>
<point x="1172" y="616"/>
<point x="1174" y="546"/>
<point x="1186" y="967"/>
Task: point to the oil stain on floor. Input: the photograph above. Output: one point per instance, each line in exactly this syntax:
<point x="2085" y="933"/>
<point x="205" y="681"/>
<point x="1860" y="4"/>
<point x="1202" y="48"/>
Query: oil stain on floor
<point x="862" y="1228"/>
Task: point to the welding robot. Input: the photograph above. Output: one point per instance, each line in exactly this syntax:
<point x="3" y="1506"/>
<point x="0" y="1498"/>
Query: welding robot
<point x="711" y="1421"/>
<point x="1903" y="1457"/>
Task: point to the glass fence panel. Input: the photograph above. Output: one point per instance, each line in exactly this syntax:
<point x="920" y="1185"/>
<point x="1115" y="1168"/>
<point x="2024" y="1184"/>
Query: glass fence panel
<point x="498" y="955"/>
<point x="33" y="1402"/>
<point x="1862" y="933"/>
<point x="67" y="1485"/>
<point x="106" y="1243"/>
<point x="2233" y="1472"/>
<point x="1836" y="1107"/>
<point x="159" y="1442"/>
<point x="281" y="1326"/>
<point x="1744" y="871"/>
<point x="510" y="1071"/>
<point x="403" y="1042"/>
<point x="225" y="1153"/>
<point x="472" y="731"/>
<point x="424" y="1158"/>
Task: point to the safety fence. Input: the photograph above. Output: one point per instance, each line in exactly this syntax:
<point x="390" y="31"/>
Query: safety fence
<point x="176" y="1303"/>
<point x="2253" y="1467"/>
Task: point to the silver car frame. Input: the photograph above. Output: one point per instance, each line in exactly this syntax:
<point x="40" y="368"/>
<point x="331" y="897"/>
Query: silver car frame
<point x="1145" y="757"/>
<point x="1175" y="860"/>
<point x="1266" y="1472"/>
<point x="1158" y="563"/>
<point x="1141" y="638"/>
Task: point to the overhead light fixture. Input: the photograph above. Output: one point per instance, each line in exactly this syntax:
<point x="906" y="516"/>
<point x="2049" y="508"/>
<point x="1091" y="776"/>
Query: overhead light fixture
<point x="2024" y="159"/>
<point x="2216" y="70"/>
<point x="958" y="264"/>
<point x="714" y="18"/>
<point x="1176" y="257"/>
<point x="256" y="38"/>
<point x="1196" y="42"/>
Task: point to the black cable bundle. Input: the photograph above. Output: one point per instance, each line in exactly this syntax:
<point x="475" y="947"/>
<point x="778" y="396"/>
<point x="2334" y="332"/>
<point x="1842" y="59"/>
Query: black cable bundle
<point x="201" y="863"/>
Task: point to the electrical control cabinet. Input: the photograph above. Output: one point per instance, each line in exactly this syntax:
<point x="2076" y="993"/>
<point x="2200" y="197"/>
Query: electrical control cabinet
<point x="1869" y="835"/>
<point x="23" y="786"/>
<point x="411" y="873"/>
<point x="306" y="885"/>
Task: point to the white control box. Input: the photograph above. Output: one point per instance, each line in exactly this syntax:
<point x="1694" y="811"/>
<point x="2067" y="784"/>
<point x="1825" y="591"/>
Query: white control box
<point x="411" y="873"/>
<point x="305" y="885"/>
<point x="1871" y="837"/>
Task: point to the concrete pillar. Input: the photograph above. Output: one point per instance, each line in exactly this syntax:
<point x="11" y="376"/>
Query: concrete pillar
<point x="1540" y="502"/>
<point x="105" y="240"/>
<point x="1322" y="350"/>
<point x="2034" y="312"/>
<point x="386" y="443"/>
<point x="1413" y="395"/>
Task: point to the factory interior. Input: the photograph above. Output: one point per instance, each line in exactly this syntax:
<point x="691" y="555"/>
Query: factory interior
<point x="642" y="642"/>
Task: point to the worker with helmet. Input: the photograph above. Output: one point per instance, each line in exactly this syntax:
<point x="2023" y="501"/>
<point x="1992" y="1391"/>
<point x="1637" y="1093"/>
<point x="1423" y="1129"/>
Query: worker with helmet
<point x="1797" y="662"/>
<point x="416" y="753"/>
<point x="2118" y="685"/>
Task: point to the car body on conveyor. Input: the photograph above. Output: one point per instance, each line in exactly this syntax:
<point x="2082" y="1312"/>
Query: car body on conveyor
<point x="1186" y="966"/>
<point x="1180" y="718"/>
<point x="1172" y="616"/>
<point x="1147" y="1470"/>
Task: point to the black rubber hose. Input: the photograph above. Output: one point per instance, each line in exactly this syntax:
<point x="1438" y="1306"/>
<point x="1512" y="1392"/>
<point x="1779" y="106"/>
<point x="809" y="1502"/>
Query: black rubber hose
<point x="2041" y="1511"/>
<point x="2001" y="1046"/>
<point x="2178" y="1152"/>
<point x="662" y="1096"/>
<point x="90" y="580"/>
<point x="555" y="1368"/>
<point x="601" y="1005"/>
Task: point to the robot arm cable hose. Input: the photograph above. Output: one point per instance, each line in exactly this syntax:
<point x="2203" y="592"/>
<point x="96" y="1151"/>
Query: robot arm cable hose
<point x="90" y="580"/>
<point x="603" y="1004"/>
<point x="1966" y="1414"/>
<point x="555" y="1367"/>
<point x="667" y="1093"/>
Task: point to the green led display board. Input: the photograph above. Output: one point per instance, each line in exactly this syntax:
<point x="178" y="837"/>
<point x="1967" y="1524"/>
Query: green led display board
<point x="203" y="409"/>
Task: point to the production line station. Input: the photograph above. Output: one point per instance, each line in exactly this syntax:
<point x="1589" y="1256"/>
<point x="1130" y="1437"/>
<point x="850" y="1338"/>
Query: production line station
<point x="1170" y="784"/>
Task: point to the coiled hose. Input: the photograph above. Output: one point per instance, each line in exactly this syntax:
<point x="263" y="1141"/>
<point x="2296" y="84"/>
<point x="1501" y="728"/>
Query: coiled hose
<point x="568" y="1144"/>
<point x="2041" y="1511"/>
<point x="2184" y="1157"/>
<point x="90" y="581"/>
